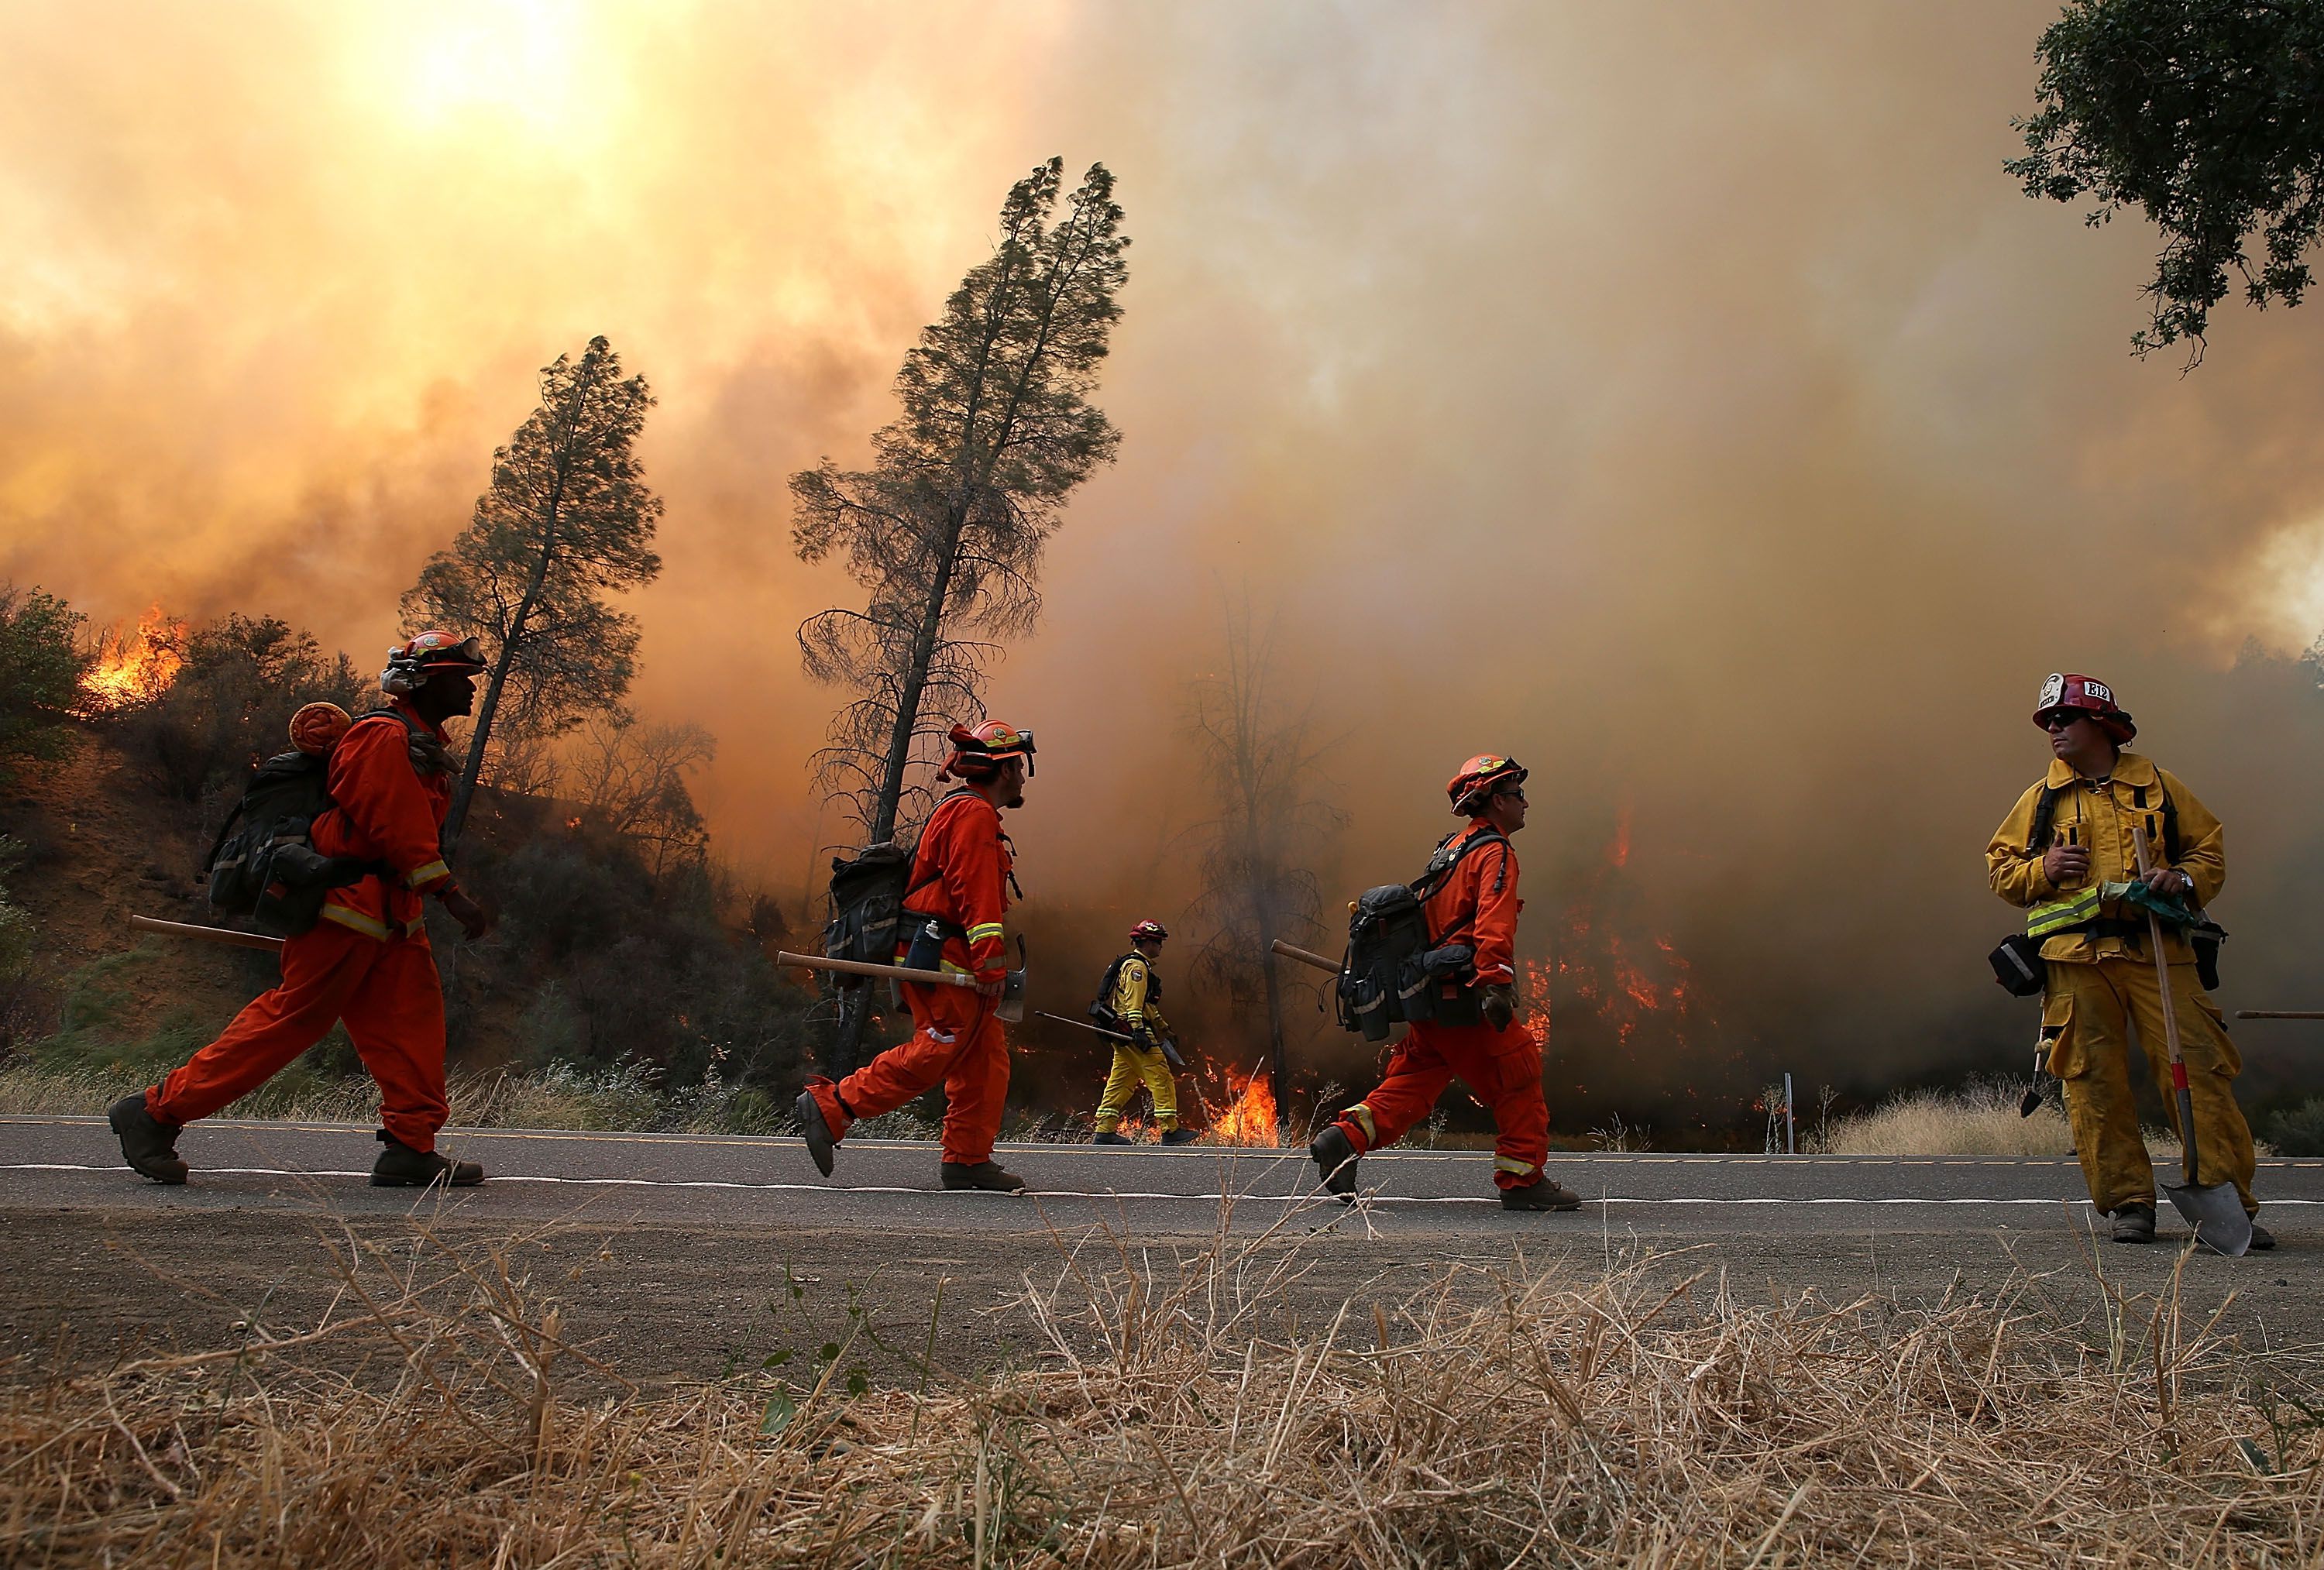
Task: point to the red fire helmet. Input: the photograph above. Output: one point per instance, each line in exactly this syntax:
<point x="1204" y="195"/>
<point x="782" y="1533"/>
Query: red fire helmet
<point x="2087" y="694"/>
<point x="1148" y="932"/>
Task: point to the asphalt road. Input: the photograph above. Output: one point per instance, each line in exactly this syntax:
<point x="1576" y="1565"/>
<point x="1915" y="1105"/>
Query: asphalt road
<point x="673" y="1249"/>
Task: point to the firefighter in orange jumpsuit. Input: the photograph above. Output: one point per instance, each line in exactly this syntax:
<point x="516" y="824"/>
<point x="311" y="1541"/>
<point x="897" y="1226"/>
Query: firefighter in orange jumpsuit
<point x="1476" y="904"/>
<point x="367" y="961"/>
<point x="953" y="900"/>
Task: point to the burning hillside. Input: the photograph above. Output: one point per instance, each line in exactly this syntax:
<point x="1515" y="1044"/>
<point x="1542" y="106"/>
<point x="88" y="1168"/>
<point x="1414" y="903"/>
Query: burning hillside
<point x="1616" y="1002"/>
<point x="137" y="667"/>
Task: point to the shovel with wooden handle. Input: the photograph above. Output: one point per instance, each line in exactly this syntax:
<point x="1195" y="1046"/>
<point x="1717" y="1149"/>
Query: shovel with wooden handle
<point x="2216" y="1211"/>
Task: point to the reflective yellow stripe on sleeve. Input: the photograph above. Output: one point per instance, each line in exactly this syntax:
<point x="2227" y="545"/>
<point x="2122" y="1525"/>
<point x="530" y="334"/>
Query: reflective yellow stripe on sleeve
<point x="355" y="920"/>
<point x="984" y="930"/>
<point x="428" y="873"/>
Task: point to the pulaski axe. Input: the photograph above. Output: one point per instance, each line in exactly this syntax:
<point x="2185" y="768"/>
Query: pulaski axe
<point x="1304" y="956"/>
<point x="207" y="934"/>
<point x="2213" y="1210"/>
<point x="1011" y="1007"/>
<point x="1168" y="1045"/>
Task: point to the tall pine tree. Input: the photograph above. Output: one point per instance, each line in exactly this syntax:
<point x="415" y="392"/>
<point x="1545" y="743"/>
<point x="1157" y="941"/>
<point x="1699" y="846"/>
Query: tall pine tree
<point x="945" y="530"/>
<point x="567" y="521"/>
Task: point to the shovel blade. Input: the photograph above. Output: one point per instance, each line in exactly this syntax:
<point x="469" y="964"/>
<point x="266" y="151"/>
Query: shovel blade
<point x="2216" y="1212"/>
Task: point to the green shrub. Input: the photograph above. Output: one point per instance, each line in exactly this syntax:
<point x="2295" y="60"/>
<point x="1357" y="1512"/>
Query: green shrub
<point x="2299" y="1131"/>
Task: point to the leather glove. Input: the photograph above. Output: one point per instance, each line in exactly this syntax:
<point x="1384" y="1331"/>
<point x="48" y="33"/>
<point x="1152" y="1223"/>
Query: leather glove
<point x="1500" y="1004"/>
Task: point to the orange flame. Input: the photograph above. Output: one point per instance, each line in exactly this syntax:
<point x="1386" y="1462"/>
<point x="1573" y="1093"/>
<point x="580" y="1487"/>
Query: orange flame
<point x="135" y="667"/>
<point x="1619" y="984"/>
<point x="1249" y="1118"/>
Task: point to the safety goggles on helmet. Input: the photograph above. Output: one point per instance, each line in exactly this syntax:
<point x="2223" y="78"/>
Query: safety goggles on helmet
<point x="2084" y="697"/>
<point x="978" y="751"/>
<point x="1480" y="778"/>
<point x="409" y="663"/>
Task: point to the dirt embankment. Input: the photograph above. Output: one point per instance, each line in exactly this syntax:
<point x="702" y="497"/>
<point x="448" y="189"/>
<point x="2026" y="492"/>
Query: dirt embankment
<point x="101" y="846"/>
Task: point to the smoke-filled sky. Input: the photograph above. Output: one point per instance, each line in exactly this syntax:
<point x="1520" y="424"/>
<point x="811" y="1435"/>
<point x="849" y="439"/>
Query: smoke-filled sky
<point x="1679" y="398"/>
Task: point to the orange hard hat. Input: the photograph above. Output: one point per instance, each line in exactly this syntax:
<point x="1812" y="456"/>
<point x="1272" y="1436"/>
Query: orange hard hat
<point x="411" y="663"/>
<point x="2063" y="690"/>
<point x="979" y="752"/>
<point x="1478" y="778"/>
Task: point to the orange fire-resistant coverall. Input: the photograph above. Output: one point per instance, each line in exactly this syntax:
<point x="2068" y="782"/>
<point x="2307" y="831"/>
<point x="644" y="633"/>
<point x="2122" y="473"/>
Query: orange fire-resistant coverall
<point x="1477" y="905"/>
<point x="960" y="876"/>
<point x="366" y="961"/>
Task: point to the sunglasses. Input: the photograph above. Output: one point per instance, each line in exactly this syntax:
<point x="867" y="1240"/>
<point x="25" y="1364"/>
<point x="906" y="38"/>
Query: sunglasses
<point x="1515" y="793"/>
<point x="2062" y="719"/>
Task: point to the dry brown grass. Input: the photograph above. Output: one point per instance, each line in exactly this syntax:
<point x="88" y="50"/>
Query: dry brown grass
<point x="1978" y="1119"/>
<point x="1636" y="1417"/>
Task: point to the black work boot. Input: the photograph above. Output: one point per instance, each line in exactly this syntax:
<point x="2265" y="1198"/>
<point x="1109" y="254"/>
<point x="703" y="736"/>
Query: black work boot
<point x="2261" y="1238"/>
<point x="1335" y="1160"/>
<point x="986" y="1175"/>
<point x="2133" y="1224"/>
<point x="816" y="1132"/>
<point x="1544" y="1193"/>
<point x="1107" y="1136"/>
<point x="148" y="1144"/>
<point x="402" y="1167"/>
<point x="1179" y="1136"/>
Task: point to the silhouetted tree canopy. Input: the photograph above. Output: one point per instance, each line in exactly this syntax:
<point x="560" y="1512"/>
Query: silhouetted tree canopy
<point x="2208" y="115"/>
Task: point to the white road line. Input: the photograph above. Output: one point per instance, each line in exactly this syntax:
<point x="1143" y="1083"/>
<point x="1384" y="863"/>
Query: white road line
<point x="503" y="1179"/>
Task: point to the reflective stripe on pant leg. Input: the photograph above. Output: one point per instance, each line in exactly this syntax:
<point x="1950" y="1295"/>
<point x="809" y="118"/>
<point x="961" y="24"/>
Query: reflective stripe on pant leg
<point x="976" y="1091"/>
<point x="396" y="1021"/>
<point x="1121" y="1085"/>
<point x="1504" y="1068"/>
<point x="321" y="969"/>
<point x="916" y="1066"/>
<point x="2091" y="1058"/>
<point x="1416" y="1076"/>
<point x="1162" y="1087"/>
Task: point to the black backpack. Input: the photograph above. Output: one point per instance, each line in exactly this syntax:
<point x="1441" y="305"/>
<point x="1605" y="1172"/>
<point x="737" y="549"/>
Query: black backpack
<point x="867" y="904"/>
<point x="263" y="866"/>
<point x="1391" y="975"/>
<point x="1101" y="1009"/>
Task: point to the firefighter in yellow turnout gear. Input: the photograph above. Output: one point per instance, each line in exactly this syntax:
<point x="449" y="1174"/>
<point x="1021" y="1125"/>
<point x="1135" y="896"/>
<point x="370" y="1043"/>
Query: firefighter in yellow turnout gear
<point x="2067" y="838"/>
<point x="1129" y="1004"/>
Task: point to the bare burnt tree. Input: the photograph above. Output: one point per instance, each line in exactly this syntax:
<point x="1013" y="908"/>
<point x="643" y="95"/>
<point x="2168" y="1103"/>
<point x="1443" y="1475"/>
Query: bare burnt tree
<point x="631" y="779"/>
<point x="567" y="521"/>
<point x="945" y="532"/>
<point x="1262" y="761"/>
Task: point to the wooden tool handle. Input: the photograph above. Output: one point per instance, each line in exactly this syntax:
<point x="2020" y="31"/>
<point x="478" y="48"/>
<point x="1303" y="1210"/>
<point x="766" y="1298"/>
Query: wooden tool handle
<point x="860" y="968"/>
<point x="2279" y="1014"/>
<point x="1304" y="956"/>
<point x="207" y="934"/>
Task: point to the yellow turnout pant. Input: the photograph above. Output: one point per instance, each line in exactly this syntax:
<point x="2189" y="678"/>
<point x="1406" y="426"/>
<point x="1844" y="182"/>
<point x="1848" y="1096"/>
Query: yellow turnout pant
<point x="1134" y="1065"/>
<point x="2086" y="1012"/>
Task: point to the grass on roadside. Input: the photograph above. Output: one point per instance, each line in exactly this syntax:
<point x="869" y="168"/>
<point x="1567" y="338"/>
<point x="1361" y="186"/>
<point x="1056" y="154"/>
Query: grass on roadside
<point x="1502" y="1417"/>
<point x="623" y="1098"/>
<point x="1979" y="1118"/>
